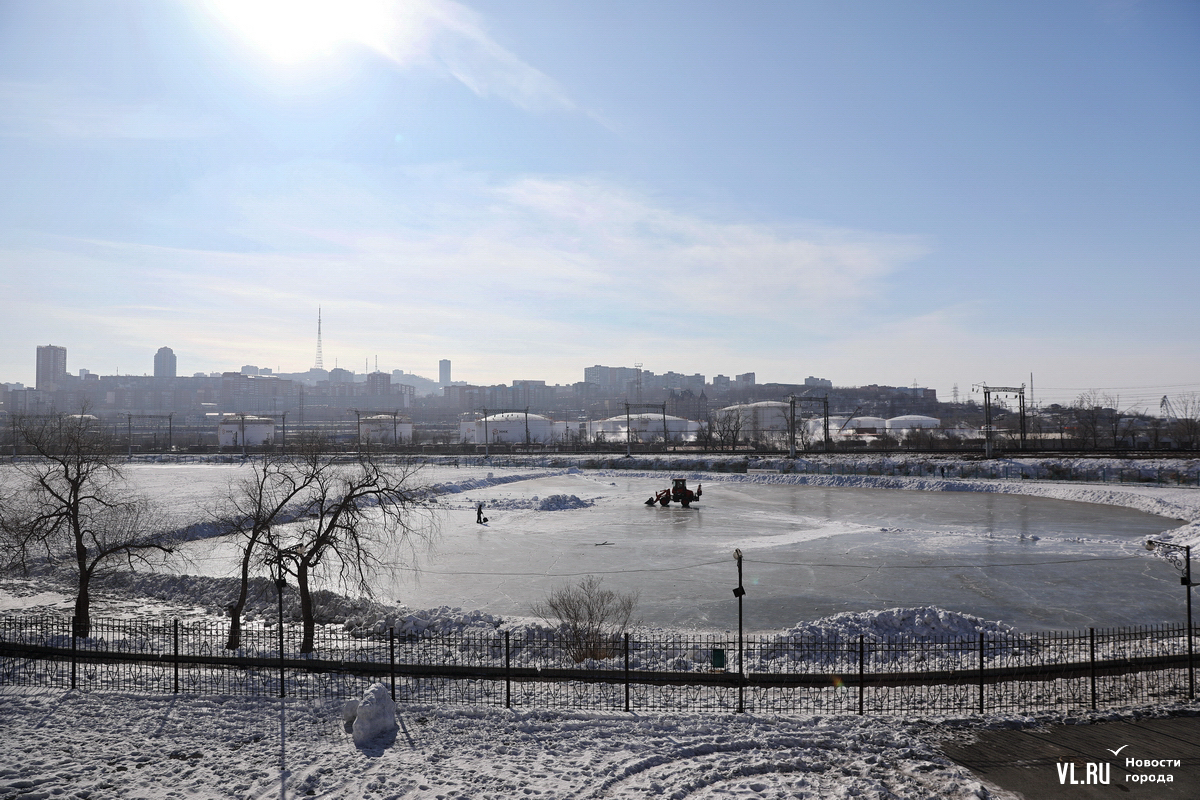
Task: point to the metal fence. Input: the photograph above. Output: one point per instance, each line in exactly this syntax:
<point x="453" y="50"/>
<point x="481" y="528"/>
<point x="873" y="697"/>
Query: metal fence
<point x="990" y="673"/>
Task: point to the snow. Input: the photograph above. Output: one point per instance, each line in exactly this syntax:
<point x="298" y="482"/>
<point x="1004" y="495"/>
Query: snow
<point x="71" y="744"/>
<point x="374" y="715"/>
<point x="88" y="745"/>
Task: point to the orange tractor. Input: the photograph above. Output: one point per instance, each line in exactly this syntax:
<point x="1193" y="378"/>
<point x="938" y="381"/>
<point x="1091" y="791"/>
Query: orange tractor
<point x="678" y="492"/>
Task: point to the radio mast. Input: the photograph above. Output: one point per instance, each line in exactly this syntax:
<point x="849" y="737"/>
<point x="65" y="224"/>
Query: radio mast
<point x="320" y="364"/>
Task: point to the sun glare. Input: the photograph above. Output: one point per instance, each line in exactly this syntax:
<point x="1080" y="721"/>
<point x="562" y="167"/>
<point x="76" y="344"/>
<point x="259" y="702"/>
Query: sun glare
<point x="292" y="31"/>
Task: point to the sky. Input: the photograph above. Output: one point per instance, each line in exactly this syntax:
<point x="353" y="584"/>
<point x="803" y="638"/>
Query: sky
<point x="941" y="193"/>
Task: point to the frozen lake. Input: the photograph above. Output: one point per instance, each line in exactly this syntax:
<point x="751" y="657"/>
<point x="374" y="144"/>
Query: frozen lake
<point x="808" y="552"/>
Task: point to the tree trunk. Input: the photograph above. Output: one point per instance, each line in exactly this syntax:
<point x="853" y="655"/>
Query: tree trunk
<point x="235" y="612"/>
<point x="81" y="623"/>
<point x="306" y="608"/>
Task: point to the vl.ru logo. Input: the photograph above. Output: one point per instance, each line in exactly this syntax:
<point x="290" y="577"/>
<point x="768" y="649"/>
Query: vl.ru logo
<point x="1093" y="773"/>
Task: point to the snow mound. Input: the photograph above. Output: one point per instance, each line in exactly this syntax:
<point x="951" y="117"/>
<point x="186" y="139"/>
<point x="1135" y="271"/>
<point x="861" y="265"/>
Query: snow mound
<point x="374" y="716"/>
<point x="555" y="502"/>
<point x="928" y="622"/>
<point x="563" y="502"/>
<point x="440" y="621"/>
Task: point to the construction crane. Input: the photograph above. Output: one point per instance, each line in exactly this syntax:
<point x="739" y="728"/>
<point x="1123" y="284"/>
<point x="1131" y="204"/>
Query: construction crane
<point x="849" y="420"/>
<point x="1168" y="410"/>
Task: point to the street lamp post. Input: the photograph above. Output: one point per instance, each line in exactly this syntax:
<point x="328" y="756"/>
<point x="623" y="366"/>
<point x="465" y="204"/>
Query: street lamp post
<point x="1180" y="556"/>
<point x="739" y="593"/>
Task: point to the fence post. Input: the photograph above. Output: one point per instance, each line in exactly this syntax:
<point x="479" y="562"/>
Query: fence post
<point x="626" y="671"/>
<point x="176" y="656"/>
<point x="392" y="658"/>
<point x="981" y="672"/>
<point x="862" y="666"/>
<point x="507" y="670"/>
<point x="1092" y="642"/>
<point x="74" y="652"/>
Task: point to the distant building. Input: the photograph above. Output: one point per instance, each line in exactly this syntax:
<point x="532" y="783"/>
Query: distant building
<point x="51" y="367"/>
<point x="444" y="372"/>
<point x="819" y="382"/>
<point x="744" y="381"/>
<point x="164" y="363"/>
<point x="379" y="383"/>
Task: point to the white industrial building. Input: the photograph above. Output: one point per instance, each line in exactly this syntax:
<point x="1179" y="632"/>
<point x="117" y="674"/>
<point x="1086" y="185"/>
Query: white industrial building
<point x="241" y="430"/>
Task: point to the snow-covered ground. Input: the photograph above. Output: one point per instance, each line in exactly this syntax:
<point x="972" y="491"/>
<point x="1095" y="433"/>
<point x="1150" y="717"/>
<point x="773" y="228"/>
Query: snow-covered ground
<point x="91" y="745"/>
<point x="68" y="744"/>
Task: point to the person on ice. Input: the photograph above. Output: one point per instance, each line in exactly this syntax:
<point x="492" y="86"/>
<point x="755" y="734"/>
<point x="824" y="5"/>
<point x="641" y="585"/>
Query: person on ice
<point x="479" y="513"/>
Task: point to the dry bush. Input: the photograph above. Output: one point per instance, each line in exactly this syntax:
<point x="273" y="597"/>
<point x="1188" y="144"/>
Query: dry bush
<point x="590" y="617"/>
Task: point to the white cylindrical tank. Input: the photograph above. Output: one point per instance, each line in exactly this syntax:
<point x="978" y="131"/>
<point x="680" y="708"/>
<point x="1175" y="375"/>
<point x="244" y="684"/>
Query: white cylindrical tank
<point x="236" y="430"/>
<point x="910" y="421"/>
<point x="765" y="421"/>
<point x="386" y="429"/>
<point x="645" y="427"/>
<point x="513" y="427"/>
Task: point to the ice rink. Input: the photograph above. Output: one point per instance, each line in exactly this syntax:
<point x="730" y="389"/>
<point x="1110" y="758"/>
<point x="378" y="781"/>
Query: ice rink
<point x="809" y="552"/>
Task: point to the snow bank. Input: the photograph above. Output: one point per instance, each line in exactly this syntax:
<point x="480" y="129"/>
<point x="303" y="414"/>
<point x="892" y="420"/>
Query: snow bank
<point x="928" y="622"/>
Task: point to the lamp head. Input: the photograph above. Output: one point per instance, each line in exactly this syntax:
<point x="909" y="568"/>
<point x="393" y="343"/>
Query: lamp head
<point x="1150" y="544"/>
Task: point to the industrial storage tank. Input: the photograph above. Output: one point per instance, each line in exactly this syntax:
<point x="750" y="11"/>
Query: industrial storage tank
<point x="645" y="428"/>
<point x="509" y="427"/>
<point x="765" y="421"/>
<point x="911" y="421"/>
<point x="243" y="430"/>
<point x="386" y="429"/>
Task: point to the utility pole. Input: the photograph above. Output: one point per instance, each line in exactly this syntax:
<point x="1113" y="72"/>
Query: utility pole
<point x="739" y="593"/>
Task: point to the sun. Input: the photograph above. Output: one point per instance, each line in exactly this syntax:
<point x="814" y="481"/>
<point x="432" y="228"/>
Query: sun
<point x="293" y="31"/>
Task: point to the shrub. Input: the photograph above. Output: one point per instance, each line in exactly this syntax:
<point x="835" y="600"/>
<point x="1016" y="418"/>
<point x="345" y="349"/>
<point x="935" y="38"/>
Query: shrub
<point x="590" y="617"/>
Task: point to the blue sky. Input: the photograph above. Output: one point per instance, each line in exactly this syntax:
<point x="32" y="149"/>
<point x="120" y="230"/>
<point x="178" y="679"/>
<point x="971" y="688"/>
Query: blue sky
<point x="874" y="192"/>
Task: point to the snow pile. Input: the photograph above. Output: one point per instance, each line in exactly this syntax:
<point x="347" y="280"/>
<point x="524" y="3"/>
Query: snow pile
<point x="442" y="621"/>
<point x="555" y="502"/>
<point x="928" y="622"/>
<point x="374" y="715"/>
<point x="563" y="502"/>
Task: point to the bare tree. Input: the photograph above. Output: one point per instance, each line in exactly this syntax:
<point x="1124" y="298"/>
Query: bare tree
<point x="1087" y="412"/>
<point x="727" y="427"/>
<point x="273" y="493"/>
<point x="593" y="618"/>
<point x="1185" y="427"/>
<point x="358" y="514"/>
<point x="72" y="500"/>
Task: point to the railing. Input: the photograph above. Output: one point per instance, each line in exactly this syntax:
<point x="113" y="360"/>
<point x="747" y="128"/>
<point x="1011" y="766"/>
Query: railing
<point x="990" y="673"/>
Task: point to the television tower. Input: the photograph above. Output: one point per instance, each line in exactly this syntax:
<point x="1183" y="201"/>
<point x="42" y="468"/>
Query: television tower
<point x="320" y="364"/>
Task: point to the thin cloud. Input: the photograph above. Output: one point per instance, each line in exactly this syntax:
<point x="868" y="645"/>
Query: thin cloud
<point x="510" y="273"/>
<point x="39" y="110"/>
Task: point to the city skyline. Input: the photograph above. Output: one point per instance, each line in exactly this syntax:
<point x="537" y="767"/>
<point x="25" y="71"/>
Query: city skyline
<point x="945" y="195"/>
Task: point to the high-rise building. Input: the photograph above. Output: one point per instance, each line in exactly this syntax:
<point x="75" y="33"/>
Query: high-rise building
<point x="444" y="372"/>
<point x="51" y="367"/>
<point x="164" y="363"/>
